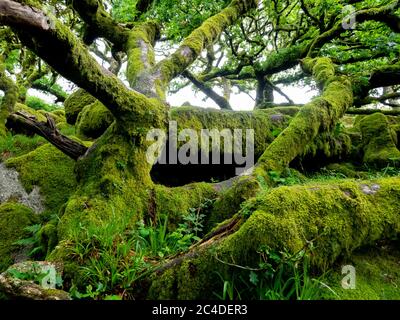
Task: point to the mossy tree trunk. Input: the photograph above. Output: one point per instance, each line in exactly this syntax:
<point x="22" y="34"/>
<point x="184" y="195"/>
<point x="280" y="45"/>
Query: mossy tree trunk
<point x="114" y="174"/>
<point x="9" y="99"/>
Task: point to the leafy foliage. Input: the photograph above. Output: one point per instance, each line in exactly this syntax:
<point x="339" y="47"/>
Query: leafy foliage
<point x="280" y="276"/>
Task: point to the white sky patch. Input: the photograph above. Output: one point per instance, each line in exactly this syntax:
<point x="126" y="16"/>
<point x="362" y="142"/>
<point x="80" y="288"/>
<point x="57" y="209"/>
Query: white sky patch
<point x="241" y="101"/>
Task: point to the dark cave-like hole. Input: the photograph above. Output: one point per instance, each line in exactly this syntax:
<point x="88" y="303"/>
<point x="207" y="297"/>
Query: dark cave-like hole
<point x="174" y="175"/>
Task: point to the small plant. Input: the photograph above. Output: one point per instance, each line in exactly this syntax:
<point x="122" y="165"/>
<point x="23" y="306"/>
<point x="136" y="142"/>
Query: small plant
<point x="37" y="275"/>
<point x="116" y="255"/>
<point x="33" y="242"/>
<point x="286" y="178"/>
<point x="112" y="258"/>
<point x="280" y="276"/>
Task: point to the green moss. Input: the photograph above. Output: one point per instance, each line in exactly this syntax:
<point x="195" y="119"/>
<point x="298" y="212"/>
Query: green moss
<point x="25" y="109"/>
<point x="113" y="179"/>
<point x="320" y="115"/>
<point x="338" y="217"/>
<point x="346" y="169"/>
<point x="75" y="103"/>
<point x="18" y="145"/>
<point x="330" y="145"/>
<point x="265" y="123"/>
<point x="378" y="141"/>
<point x="66" y="129"/>
<point x="58" y="116"/>
<point x="7" y="103"/>
<point x="377" y="275"/>
<point x="49" y="169"/>
<point x="231" y="200"/>
<point x="93" y="120"/>
<point x="13" y="219"/>
<point x="141" y="57"/>
<point x="176" y="202"/>
<point x="48" y="236"/>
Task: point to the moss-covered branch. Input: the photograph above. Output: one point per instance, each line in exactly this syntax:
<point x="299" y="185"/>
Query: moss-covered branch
<point x="141" y="58"/>
<point x="100" y="23"/>
<point x="200" y="38"/>
<point x="10" y="97"/>
<point x="48" y="130"/>
<point x="38" y="32"/>
<point x="318" y="116"/>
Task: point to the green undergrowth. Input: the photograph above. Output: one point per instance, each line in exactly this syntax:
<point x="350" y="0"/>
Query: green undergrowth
<point x="111" y="259"/>
<point x="14" y="218"/>
<point x="38" y="104"/>
<point x="280" y="275"/>
<point x="18" y="145"/>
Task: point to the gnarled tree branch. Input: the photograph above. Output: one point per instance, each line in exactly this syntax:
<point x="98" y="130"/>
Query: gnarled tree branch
<point x="207" y="90"/>
<point x="20" y="121"/>
<point x="100" y="23"/>
<point x="200" y="38"/>
<point x="73" y="61"/>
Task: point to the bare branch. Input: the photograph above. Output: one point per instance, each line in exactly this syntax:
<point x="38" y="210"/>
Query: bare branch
<point x="48" y="130"/>
<point x="207" y="90"/>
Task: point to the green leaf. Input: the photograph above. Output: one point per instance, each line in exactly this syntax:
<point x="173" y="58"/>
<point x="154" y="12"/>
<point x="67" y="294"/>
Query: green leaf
<point x="254" y="278"/>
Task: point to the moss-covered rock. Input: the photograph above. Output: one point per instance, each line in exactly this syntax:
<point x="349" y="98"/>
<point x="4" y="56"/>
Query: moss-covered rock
<point x="378" y="141"/>
<point x="93" y="120"/>
<point x="75" y="103"/>
<point x="49" y="169"/>
<point x="14" y="218"/>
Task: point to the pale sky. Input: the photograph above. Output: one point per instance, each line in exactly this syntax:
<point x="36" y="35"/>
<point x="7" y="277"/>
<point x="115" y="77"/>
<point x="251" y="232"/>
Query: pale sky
<point x="239" y="101"/>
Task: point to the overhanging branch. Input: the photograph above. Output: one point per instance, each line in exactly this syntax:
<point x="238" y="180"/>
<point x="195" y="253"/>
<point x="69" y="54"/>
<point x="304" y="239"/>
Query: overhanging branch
<point x="200" y="38"/>
<point x="20" y="121"/>
<point x="207" y="90"/>
<point x="39" y="32"/>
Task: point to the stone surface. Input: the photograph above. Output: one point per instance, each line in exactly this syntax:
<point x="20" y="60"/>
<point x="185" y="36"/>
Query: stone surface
<point x="19" y="288"/>
<point x="12" y="189"/>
